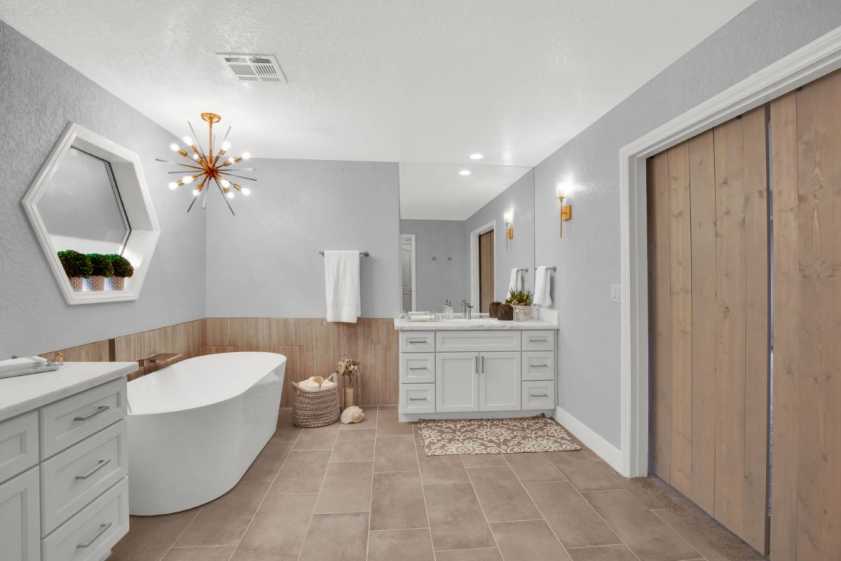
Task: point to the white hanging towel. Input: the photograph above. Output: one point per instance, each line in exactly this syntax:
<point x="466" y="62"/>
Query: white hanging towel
<point x="515" y="281"/>
<point x="542" y="284"/>
<point x="341" y="283"/>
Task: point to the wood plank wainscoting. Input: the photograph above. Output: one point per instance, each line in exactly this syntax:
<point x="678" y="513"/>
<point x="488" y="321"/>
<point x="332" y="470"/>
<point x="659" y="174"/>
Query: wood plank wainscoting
<point x="311" y="345"/>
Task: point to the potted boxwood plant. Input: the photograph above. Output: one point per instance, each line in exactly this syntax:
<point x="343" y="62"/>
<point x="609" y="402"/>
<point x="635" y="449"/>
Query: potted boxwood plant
<point x="521" y="301"/>
<point x="101" y="269"/>
<point x="122" y="270"/>
<point x="76" y="266"/>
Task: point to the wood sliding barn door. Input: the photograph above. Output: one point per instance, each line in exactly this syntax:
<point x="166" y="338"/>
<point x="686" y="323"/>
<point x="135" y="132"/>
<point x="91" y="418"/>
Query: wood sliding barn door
<point x="708" y="286"/>
<point x="486" y="271"/>
<point x="806" y="184"/>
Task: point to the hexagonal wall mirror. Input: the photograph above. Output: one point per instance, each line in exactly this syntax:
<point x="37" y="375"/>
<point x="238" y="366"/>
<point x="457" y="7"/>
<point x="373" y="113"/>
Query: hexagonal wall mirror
<point x="90" y="200"/>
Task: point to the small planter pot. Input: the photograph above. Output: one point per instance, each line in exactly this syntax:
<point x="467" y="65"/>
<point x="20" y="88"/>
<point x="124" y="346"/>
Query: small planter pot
<point x="77" y="283"/>
<point x="118" y="283"/>
<point x="98" y="283"/>
<point x="505" y="312"/>
<point x="523" y="313"/>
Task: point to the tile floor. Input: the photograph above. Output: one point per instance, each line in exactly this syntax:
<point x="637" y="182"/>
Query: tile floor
<point x="366" y="492"/>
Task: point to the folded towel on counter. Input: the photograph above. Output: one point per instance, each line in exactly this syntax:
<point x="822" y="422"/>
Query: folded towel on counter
<point x="24" y="365"/>
<point x="542" y="287"/>
<point x="341" y="284"/>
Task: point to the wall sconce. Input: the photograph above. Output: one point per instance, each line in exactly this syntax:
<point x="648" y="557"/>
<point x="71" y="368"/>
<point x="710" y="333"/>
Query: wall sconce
<point x="508" y="217"/>
<point x="566" y="209"/>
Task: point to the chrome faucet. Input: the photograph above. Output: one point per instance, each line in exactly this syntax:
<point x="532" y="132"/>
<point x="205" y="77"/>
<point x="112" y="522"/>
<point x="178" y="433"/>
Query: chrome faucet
<point x="467" y="309"/>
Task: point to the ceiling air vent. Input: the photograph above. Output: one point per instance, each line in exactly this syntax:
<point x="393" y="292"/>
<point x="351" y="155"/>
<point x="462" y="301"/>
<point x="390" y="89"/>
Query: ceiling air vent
<point x="253" y="67"/>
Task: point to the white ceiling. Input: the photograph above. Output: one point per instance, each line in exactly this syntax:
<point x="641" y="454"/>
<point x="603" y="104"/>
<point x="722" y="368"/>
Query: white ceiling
<point x="420" y="83"/>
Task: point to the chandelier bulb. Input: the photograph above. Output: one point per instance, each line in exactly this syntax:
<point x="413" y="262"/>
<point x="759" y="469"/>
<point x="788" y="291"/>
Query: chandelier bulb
<point x="174" y="147"/>
<point x="187" y="140"/>
<point x="196" y="192"/>
<point x="187" y="179"/>
<point x="173" y="185"/>
<point x="245" y="191"/>
<point x="224" y="183"/>
<point x="226" y="145"/>
<point x="246" y="155"/>
<point x="230" y="194"/>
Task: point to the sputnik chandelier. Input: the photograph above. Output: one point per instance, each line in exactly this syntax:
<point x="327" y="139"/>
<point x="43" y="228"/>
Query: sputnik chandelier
<point x="205" y="169"/>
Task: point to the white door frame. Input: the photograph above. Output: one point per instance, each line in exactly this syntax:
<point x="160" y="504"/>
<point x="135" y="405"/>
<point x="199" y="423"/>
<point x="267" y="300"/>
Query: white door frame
<point x="804" y="65"/>
<point x="474" y="261"/>
<point x="413" y="239"/>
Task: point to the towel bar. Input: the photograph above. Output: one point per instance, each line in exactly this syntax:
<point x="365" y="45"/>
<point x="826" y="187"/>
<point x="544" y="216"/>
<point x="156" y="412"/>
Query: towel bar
<point x="362" y="253"/>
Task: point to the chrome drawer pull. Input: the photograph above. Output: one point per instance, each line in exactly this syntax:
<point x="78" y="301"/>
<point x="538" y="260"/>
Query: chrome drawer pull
<point x="102" y="529"/>
<point x="418" y="399"/>
<point x="97" y="411"/>
<point x="539" y="394"/>
<point x="416" y="341"/>
<point x="99" y="465"/>
<point x="544" y="365"/>
<point x="540" y="340"/>
<point x="416" y="368"/>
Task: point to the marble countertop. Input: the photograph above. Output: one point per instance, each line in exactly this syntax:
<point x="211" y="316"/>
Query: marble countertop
<point x="25" y="393"/>
<point x="487" y="324"/>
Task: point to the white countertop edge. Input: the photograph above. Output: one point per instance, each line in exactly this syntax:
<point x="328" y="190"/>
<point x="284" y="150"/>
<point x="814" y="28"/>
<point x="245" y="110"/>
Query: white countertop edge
<point x="472" y="325"/>
<point x="22" y="394"/>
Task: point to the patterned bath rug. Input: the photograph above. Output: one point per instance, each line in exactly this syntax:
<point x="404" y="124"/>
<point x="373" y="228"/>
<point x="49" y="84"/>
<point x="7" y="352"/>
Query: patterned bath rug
<point x="494" y="436"/>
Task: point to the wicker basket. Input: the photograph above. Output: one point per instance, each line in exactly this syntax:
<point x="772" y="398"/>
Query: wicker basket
<point x="316" y="409"/>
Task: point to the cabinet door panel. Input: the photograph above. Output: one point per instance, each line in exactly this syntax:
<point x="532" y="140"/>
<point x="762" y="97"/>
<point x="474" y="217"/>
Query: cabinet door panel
<point x="455" y="382"/>
<point x="499" y="381"/>
<point x="20" y="522"/>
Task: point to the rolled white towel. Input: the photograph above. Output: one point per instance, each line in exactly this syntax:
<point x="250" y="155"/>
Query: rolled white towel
<point x="21" y="364"/>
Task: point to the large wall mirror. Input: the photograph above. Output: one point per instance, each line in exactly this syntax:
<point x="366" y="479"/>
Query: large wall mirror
<point x="90" y="209"/>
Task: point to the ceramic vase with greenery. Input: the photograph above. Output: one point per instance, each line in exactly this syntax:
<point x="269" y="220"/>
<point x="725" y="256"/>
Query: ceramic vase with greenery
<point x="122" y="270"/>
<point x="76" y="265"/>
<point x="101" y="269"/>
<point x="521" y="301"/>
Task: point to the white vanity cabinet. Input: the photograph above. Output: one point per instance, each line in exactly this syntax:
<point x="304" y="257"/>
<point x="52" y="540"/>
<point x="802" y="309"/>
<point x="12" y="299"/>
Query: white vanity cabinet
<point x="474" y="373"/>
<point x="63" y="463"/>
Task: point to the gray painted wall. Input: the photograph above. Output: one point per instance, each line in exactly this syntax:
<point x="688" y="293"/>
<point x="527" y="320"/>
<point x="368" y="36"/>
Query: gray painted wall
<point x="518" y="252"/>
<point x="446" y="278"/>
<point x="588" y="257"/>
<point x="40" y="95"/>
<point x="264" y="261"/>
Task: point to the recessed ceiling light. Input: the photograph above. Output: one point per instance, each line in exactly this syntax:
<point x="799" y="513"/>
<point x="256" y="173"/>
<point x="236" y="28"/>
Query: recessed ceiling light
<point x="464" y="172"/>
<point x="476" y="156"/>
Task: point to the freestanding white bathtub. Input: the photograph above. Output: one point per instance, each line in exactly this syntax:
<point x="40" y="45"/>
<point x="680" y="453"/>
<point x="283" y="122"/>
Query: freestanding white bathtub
<point x="195" y="427"/>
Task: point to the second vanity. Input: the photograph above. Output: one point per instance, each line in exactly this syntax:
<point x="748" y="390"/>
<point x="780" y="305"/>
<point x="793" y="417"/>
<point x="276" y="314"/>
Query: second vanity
<point x="476" y="368"/>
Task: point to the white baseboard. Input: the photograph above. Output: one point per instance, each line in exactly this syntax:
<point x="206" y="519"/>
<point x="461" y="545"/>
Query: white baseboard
<point x="595" y="442"/>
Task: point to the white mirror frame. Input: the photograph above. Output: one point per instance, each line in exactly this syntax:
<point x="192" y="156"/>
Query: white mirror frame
<point x="131" y="182"/>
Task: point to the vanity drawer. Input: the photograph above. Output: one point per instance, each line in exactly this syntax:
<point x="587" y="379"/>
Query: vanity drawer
<point x="18" y="445"/>
<point x="75" y="477"/>
<point x="90" y="534"/>
<point x="416" y="368"/>
<point x="538" y="340"/>
<point x="417" y="341"/>
<point x="417" y="398"/>
<point x="70" y="420"/>
<point x="539" y="365"/>
<point x="471" y="341"/>
<point x="539" y="395"/>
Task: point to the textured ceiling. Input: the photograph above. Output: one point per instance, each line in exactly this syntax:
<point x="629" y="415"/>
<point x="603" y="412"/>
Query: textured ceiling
<point x="421" y="83"/>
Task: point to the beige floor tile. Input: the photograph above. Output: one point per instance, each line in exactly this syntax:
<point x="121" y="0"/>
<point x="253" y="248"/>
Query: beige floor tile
<point x="286" y="429"/>
<point x="336" y="537"/>
<point x="346" y="488"/>
<point x="709" y="538"/>
<point x="354" y="446"/>
<point x="150" y="537"/>
<point x="455" y="517"/>
<point x="483" y="460"/>
<point x="248" y="555"/>
<point x="639" y="528"/>
<point x="527" y="541"/>
<point x="397" y="502"/>
<point x="586" y="470"/>
<point x="321" y="438"/>
<point x="368" y="423"/>
<point x="481" y="554"/>
<point x="395" y="453"/>
<point x="280" y="526"/>
<point x="223" y="521"/>
<point x="501" y="495"/>
<point x="534" y="467"/>
<point x="387" y="422"/>
<point x="603" y="553"/>
<point x="442" y="470"/>
<point x="269" y="460"/>
<point x="569" y="515"/>
<point x="302" y="472"/>
<point x="402" y="545"/>
<point x="222" y="553"/>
